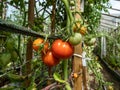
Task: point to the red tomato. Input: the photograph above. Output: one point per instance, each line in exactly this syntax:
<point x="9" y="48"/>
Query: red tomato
<point x="62" y="49"/>
<point x="49" y="59"/>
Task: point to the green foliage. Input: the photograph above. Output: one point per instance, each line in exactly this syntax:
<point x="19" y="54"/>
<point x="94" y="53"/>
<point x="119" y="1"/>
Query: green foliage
<point x="95" y="69"/>
<point x="57" y="77"/>
<point x="92" y="13"/>
<point x="18" y="3"/>
<point x="15" y="78"/>
<point x="38" y="24"/>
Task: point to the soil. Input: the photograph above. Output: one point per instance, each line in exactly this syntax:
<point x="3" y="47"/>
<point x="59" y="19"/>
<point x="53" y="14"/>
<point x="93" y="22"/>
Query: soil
<point x="110" y="78"/>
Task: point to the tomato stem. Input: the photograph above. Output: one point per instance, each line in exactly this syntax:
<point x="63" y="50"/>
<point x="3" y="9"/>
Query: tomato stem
<point x="68" y="24"/>
<point x="70" y="19"/>
<point x="65" y="65"/>
<point x="68" y="9"/>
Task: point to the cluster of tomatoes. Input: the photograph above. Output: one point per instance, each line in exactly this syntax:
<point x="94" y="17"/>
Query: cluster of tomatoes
<point x="51" y="55"/>
<point x="59" y="49"/>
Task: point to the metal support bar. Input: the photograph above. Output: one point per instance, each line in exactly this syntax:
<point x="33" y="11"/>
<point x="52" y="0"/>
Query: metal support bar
<point x="110" y="15"/>
<point x="9" y="27"/>
<point x="113" y="9"/>
<point x="109" y="20"/>
<point x="107" y="24"/>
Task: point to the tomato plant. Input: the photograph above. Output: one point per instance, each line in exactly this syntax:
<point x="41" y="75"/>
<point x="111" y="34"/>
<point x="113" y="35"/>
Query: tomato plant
<point x="37" y="43"/>
<point x="62" y="49"/>
<point x="49" y="59"/>
<point x="75" y="39"/>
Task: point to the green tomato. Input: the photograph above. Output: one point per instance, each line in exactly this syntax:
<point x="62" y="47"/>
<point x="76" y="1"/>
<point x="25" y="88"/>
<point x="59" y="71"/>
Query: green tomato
<point x="75" y="39"/>
<point x="5" y="58"/>
<point x="90" y="42"/>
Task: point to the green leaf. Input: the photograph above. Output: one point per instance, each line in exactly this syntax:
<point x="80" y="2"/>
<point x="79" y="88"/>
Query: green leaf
<point x="8" y="88"/>
<point x="32" y="86"/>
<point x="5" y="58"/>
<point x="16" y="78"/>
<point x="57" y="77"/>
<point x="68" y="86"/>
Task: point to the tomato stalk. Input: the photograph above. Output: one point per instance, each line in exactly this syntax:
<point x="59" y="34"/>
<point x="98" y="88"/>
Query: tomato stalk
<point x="69" y="17"/>
<point x="69" y="22"/>
<point x="68" y="9"/>
<point x="65" y="67"/>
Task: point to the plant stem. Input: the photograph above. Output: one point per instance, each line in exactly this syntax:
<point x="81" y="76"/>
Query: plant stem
<point x="68" y="24"/>
<point x="65" y="67"/>
<point x="69" y="16"/>
<point x="68" y="9"/>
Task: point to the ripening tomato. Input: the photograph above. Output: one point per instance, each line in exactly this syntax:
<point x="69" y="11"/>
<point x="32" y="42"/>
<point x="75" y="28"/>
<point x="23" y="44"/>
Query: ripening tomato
<point x="62" y="49"/>
<point x="49" y="59"/>
<point x="75" y="39"/>
<point x="75" y="75"/>
<point x="83" y="30"/>
<point x="38" y="43"/>
<point x="76" y="26"/>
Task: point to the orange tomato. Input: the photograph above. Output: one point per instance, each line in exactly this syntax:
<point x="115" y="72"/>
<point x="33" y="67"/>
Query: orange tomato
<point x="75" y="75"/>
<point x="76" y="26"/>
<point x="37" y="44"/>
<point x="83" y="30"/>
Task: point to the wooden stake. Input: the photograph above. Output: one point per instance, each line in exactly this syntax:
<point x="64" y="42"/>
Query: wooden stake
<point x="53" y="17"/>
<point x="29" y="44"/>
<point x="77" y="67"/>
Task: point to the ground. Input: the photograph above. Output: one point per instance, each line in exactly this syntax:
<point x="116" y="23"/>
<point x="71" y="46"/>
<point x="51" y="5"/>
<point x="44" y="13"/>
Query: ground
<point x="110" y="78"/>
